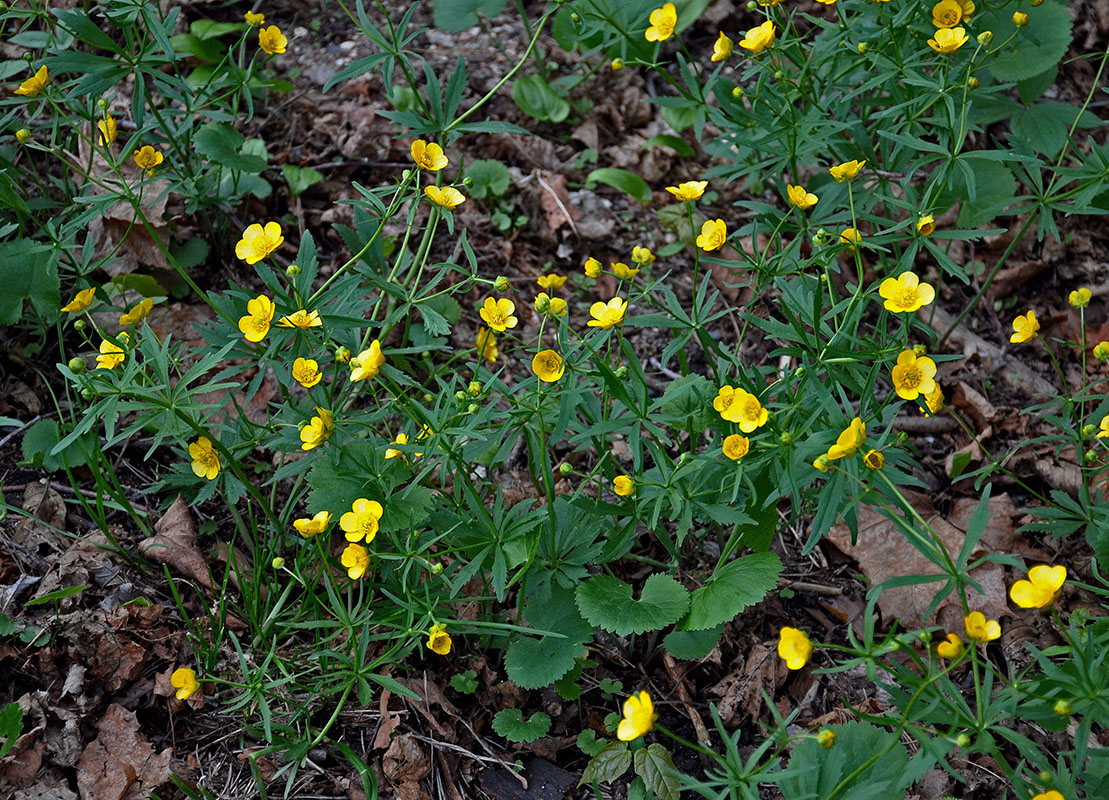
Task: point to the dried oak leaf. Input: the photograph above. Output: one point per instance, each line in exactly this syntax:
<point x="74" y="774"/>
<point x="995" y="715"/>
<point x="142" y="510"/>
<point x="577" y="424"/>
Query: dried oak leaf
<point x="404" y="764"/>
<point x="741" y="691"/>
<point x="38" y="532"/>
<point x="174" y="543"/>
<point x="120" y="762"/>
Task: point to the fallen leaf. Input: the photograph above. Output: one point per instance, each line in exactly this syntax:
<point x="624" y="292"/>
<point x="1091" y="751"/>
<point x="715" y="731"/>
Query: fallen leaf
<point x="121" y="762"/>
<point x="404" y="764"/>
<point x="38" y="532"/>
<point x="555" y="200"/>
<point x="174" y="543"/>
<point x="741" y="691"/>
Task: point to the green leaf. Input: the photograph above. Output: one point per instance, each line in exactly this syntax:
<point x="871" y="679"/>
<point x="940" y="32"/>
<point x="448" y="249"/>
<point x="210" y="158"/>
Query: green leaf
<point x="222" y="144"/>
<point x="490" y="178"/>
<point x="623" y="180"/>
<point x="137" y="282"/>
<point x="687" y="403"/>
<point x="533" y="663"/>
<point x="993" y="190"/>
<point x="690" y="645"/>
<point x="465" y="682"/>
<point x="655" y="766"/>
<point x="190" y="253"/>
<point x="856" y="742"/>
<point x="675" y="143"/>
<point x="1030" y="89"/>
<point x="588" y="742"/>
<point x="408" y="508"/>
<point x="209" y="29"/>
<point x="42" y="437"/>
<point x="457" y="15"/>
<point x="1036" y="48"/>
<point x="11" y="726"/>
<point x="607" y="603"/>
<point x="509" y="723"/>
<point x="57" y="594"/>
<point x="740" y="583"/>
<point x="28" y="271"/>
<point x="609" y="764"/>
<point x="535" y="97"/>
<point x="959" y="462"/>
<point x="300" y="178"/>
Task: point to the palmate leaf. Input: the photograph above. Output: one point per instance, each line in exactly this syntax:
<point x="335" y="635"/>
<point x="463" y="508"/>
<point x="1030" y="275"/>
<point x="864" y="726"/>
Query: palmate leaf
<point x="607" y="603"/>
<point x="510" y="724"/>
<point x="533" y="663"/>
<point x="738" y="584"/>
<point x="855" y="743"/>
<point x="1037" y="48"/>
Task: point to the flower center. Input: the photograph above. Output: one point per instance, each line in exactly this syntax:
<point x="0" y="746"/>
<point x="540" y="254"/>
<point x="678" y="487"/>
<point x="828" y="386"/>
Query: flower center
<point x="912" y="378"/>
<point x="752" y="409"/>
<point x="906" y="298"/>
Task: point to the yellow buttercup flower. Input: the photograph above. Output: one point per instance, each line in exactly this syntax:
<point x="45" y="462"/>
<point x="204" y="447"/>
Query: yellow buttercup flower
<point x="605" y="315"/>
<point x="1024" y="328"/>
<point x="498" y="314"/>
<point x="205" y="458"/>
<point x="689" y="191"/>
<point x="486" y="345"/>
<point x="722" y="48"/>
<point x="368" y="363"/>
<point x="82" y="300"/>
<point x="313" y="526"/>
<point x="740" y="406"/>
<point x="33" y="86"/>
<point x="545" y="304"/>
<point x="23" y="135"/>
<point x="736" y="446"/>
<point x="548" y="366"/>
<point x="592" y="268"/>
<point x="256" y="324"/>
<point x="361" y="522"/>
<point x="639" y="717"/>
<point x="947" y="14"/>
<point x="980" y="629"/>
<point x="926" y="225"/>
<point x="643" y="256"/>
<point x="1050" y="795"/>
<point x="258" y="242"/>
<point x="948" y="40"/>
<point x="185" y="682"/>
<point x="1042" y="587"/>
<point x="663" y="21"/>
<point x="356" y="559"/>
<point x="272" y="40"/>
<point x="1020" y="19"/>
<point x="623" y="271"/>
<point x="402" y="439"/>
<point x="146" y="157"/>
<point x="849" y="442"/>
<point x="138" y="312"/>
<point x="306" y="372"/>
<point x="714" y="233"/>
<point x="1104" y="433"/>
<point x="428" y="155"/>
<point x="758" y="39"/>
<point x="951" y="648"/>
<point x="801" y="198"/>
<point x="438" y="640"/>
<point x="794" y="647"/>
<point x="850" y="237"/>
<point x="317" y="430"/>
<point x="1100" y="351"/>
<point x="905" y="293"/>
<point x="254" y="19"/>
<point x="827" y="2"/>
<point x="551" y="281"/>
<point x="847" y="171"/>
<point x="111" y="355"/>
<point x="108" y="130"/>
<point x="874" y="460"/>
<point x="301" y="319"/>
<point x="448" y="197"/>
<point x="1080" y="298"/>
<point x="913" y="376"/>
<point x="623" y="485"/>
<point x="934" y="401"/>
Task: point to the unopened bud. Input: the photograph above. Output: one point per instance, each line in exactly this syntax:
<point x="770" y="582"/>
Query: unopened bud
<point x="428" y="398"/>
<point x="474" y="388"/>
<point x="684" y="458"/>
<point x="1062" y="708"/>
<point x="962" y="740"/>
<point x="778" y="74"/>
<point x="738" y="92"/>
<point x="926" y="637"/>
<point x="87" y="394"/>
<point x="1020" y="19"/>
<point x="102" y="104"/>
<point x="1101" y="351"/>
<point x="1045" y="777"/>
<point x="862" y="48"/>
<point x="621" y="372"/>
<point x="826" y="739"/>
<point x="985" y="37"/>
<point x="1091" y="456"/>
<point x="474" y="408"/>
<point x="278" y="563"/>
<point x="564" y="469"/>
<point x="23" y="135"/>
<point x="617" y="64"/>
<point x="292" y="270"/>
<point x="973" y="83"/>
<point x="543" y="303"/>
<point x="77" y="365"/>
<point x="752" y="5"/>
<point x="575" y="17"/>
<point x="920" y="350"/>
<point x="342" y="355"/>
<point x="1037" y="3"/>
<point x="1089" y="430"/>
<point x="468" y="182"/>
<point x="436" y="568"/>
<point x="501" y="283"/>
<point x="79" y="325"/>
<point x="460" y="396"/>
<point x="786" y="438"/>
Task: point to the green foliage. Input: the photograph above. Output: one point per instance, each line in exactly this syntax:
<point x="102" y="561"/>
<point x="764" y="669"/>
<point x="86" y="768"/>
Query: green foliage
<point x="464" y="682"/>
<point x="300" y="179"/>
<point x="533" y="663"/>
<point x="621" y="180"/>
<point x="510" y="724"/>
<point x="536" y="98"/>
<point x="490" y="178"/>
<point x="608" y="604"/>
<point x="735" y="586"/>
<point x="28" y="271"/>
<point x="655" y="766"/>
<point x="457" y="15"/>
<point x="11" y="726"/>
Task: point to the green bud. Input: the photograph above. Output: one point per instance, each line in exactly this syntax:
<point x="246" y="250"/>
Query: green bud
<point x="862" y="48"/>
<point x="342" y="355"/>
<point x="826" y="739"/>
<point x="543" y="305"/>
<point x="278" y="563"/>
<point x="28" y="57"/>
<point x="474" y="389"/>
<point x="1037" y="3"/>
<point x="617" y="64"/>
<point x="474" y="408"/>
<point x="460" y="396"/>
<point x="575" y="17"/>
<point x="79" y="325"/>
<point x="1063" y="708"/>
<point x="972" y="83"/>
<point x="436" y="568"/>
<point x="77" y="365"/>
<point x="738" y="92"/>
<point x="87" y="394"/>
<point x="102" y="104"/>
<point x="926" y="637"/>
<point x="428" y="398"/>
<point x="621" y="371"/>
<point x="799" y="372"/>
<point x="4" y="7"/>
<point x="501" y="283"/>
<point x="684" y="458"/>
<point x="920" y="350"/>
<point x="1091" y="456"/>
<point x="752" y="5"/>
<point x="1089" y="430"/>
<point x="962" y="740"/>
<point x="292" y="270"/>
<point x="985" y="37"/>
<point x="778" y="75"/>
<point x="1046" y="778"/>
<point x="565" y="469"/>
<point x="23" y="135"/>
<point x="468" y="182"/>
<point x="786" y="438"/>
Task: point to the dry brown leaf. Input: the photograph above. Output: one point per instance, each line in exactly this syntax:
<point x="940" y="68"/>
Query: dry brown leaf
<point x="121" y="761"/>
<point x="47" y="512"/>
<point x="432" y="694"/>
<point x="174" y="543"/>
<point x="974" y="405"/>
<point x="741" y="691"/>
<point x="404" y="764"/>
<point x="555" y="200"/>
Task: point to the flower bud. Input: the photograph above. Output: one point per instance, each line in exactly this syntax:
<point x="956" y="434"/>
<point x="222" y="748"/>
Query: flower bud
<point x="474" y="389"/>
<point x="778" y="74"/>
<point x="862" y="47"/>
<point x="543" y="303"/>
<point x="684" y="458"/>
<point x="1020" y="19"/>
<point x="973" y="83"/>
<point x="28" y="56"/>
<point x="564" y="469"/>
<point x="77" y="365"/>
<point x="1101" y="351"/>
<point x="985" y="37"/>
<point x="799" y="372"/>
<point x="738" y="92"/>
<point x="501" y="283"/>
<point x="436" y="568"/>
<point x="1037" y="3"/>
<point x="279" y="563"/>
<point x="1089" y="430"/>
<point x="823" y="463"/>
<point x="826" y="739"/>
<point x="4" y="7"/>
<point x="342" y="355"/>
<point x="468" y="182"/>
<point x="819" y="239"/>
<point x="460" y="396"/>
<point x="621" y="372"/>
<point x="1063" y="708"/>
<point x="79" y="325"/>
<point x="925" y="637"/>
<point x="962" y="740"/>
<point x="575" y="17"/>
<point x="786" y="438"/>
<point x="23" y="135"/>
<point x="1091" y="456"/>
<point x="428" y="398"/>
<point x="292" y="270"/>
<point x="617" y="64"/>
<point x="87" y="394"/>
<point x="920" y="350"/>
<point x="474" y="408"/>
<point x="874" y="460"/>
<point x="1045" y="777"/>
<point x="752" y="5"/>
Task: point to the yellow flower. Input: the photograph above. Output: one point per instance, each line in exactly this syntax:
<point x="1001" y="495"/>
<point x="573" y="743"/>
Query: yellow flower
<point x="1020" y="19"/>
<point x="722" y="48"/>
<point x="592" y="268"/>
<point x="826" y="739"/>
<point x="272" y="40"/>
<point x="714" y="233"/>
<point x="801" y="198"/>
<point x="545" y="304"/>
<point x="827" y="2"/>
<point x="138" y="312"/>
<point x="81" y="301"/>
<point x="643" y="256"/>
<point x="913" y="376"/>
<point x="301" y="319"/>
<point x="112" y="356"/>
<point x="108" y="130"/>
<point x="758" y="39"/>
<point x="1080" y="298"/>
<point x="850" y="237"/>
<point x="306" y="372"/>
<point x="639" y="717"/>
<point x="498" y="314"/>
<point x="934" y="401"/>
<point x="947" y="14"/>
<point x="448" y="197"/>
<point x="622" y="270"/>
<point x="1042" y="587"/>
<point x="663" y="21"/>
<point x="1024" y="327"/>
<point x="486" y="345"/>
<point x="951" y="648"/>
<point x="551" y="281"/>
<point x="205" y="458"/>
<point x="740" y="406"/>
<point x="185" y="682"/>
<point x="317" y="430"/>
<point x="1049" y="795"/>
<point x="368" y="363"/>
<point x="605" y="315"/>
<point x="849" y="442"/>
<point x="1101" y="350"/>
<point x="34" y="85"/>
<point x="948" y="40"/>
<point x="623" y="485"/>
<point x="822" y="462"/>
<point x="847" y="171"/>
<point x="428" y="155"/>
<point x="1104" y="427"/>
<point x="689" y="191"/>
<point x="874" y="460"/>
<point x="361" y="522"/>
<point x="256" y="20"/>
<point x="402" y="439"/>
<point x="256" y="324"/>
<point x="905" y="293"/>
<point x="736" y="446"/>
<point x="23" y="135"/>
<point x="258" y="242"/>
<point x="926" y="225"/>
<point x="548" y="366"/>
<point x="146" y="157"/>
<point x="438" y="640"/>
<point x="356" y="559"/>
<point x="979" y="629"/>
<point x="313" y="526"/>
<point x="794" y="647"/>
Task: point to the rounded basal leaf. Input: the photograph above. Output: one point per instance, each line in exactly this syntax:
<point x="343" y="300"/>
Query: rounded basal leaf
<point x="607" y="603"/>
<point x="1038" y="47"/>
<point x="510" y="724"/>
<point x="689" y="645"/>
<point x="738" y="584"/>
<point x="533" y="663"/>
